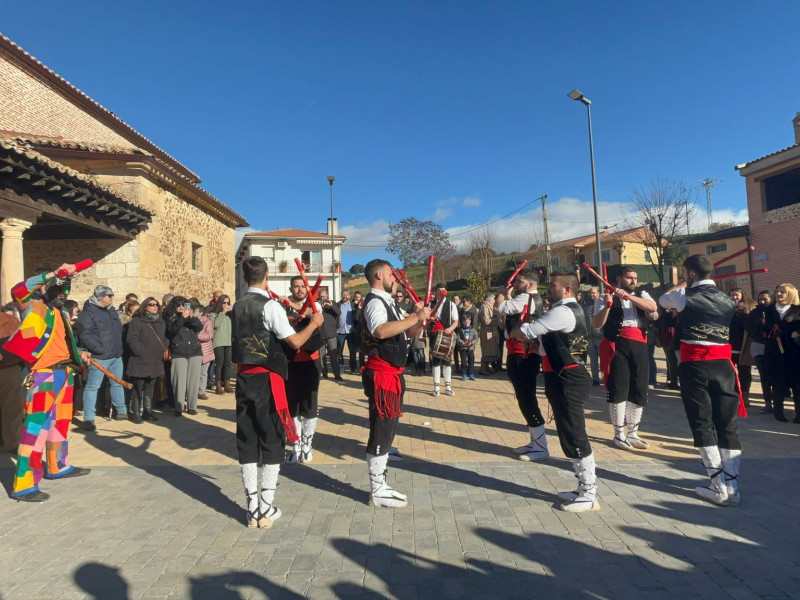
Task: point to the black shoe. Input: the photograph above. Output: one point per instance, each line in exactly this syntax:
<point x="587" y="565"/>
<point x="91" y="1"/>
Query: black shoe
<point x="595" y="382"/>
<point x="767" y="410"/>
<point x="191" y="411"/>
<point x="796" y="419"/>
<point x="76" y="472"/>
<point x="37" y="496"/>
<point x="178" y="413"/>
<point x="89" y="426"/>
<point x="781" y="418"/>
<point x="137" y="420"/>
<point x="148" y="416"/>
<point x="324" y="375"/>
<point x="339" y="378"/>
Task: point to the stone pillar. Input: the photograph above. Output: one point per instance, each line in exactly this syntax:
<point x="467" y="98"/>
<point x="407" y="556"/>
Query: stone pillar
<point x="12" y="263"/>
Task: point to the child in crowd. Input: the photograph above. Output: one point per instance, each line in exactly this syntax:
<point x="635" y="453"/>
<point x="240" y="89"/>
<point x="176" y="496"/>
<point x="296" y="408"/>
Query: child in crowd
<point x="466" y="343"/>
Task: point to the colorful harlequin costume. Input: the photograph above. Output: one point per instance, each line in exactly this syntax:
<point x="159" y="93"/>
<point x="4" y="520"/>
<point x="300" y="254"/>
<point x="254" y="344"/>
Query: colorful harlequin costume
<point x="46" y="343"/>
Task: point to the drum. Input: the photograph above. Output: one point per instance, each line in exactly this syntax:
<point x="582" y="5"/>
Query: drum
<point x="443" y="346"/>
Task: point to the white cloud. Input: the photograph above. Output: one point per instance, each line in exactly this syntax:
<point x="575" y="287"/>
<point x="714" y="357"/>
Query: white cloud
<point x="471" y="201"/>
<point x="365" y="237"/>
<point x="441" y="214"/>
<point x="567" y="218"/>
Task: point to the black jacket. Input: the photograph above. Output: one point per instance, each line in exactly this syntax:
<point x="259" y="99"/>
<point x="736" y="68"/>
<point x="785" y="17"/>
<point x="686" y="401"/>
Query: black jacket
<point x="331" y="314"/>
<point x="101" y="332"/>
<point x="146" y="343"/>
<point x="182" y="336"/>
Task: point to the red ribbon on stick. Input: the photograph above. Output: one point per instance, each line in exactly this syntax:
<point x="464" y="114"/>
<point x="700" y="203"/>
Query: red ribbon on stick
<point x="602" y="280"/>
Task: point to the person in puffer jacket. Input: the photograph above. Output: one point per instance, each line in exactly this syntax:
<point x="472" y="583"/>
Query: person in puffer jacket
<point x="187" y="355"/>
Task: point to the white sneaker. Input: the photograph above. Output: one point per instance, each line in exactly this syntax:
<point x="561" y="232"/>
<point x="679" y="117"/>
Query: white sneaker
<point x="388" y="498"/>
<point x="449" y="392"/>
<point x="306" y="456"/>
<point x="580" y="504"/>
<point x="716" y="496"/>
<point x="622" y="444"/>
<point x="636" y="442"/>
<point x="435" y="391"/>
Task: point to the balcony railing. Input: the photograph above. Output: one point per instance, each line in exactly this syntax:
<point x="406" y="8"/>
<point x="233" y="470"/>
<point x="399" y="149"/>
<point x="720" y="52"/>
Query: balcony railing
<point x="311" y="268"/>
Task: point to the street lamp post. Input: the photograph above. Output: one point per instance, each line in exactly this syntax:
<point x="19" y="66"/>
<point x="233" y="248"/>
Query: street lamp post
<point x="576" y="95"/>
<point x="333" y="246"/>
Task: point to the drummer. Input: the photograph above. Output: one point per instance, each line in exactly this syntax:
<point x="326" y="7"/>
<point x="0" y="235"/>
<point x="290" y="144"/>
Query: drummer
<point x="523" y="366"/>
<point x="445" y="321"/>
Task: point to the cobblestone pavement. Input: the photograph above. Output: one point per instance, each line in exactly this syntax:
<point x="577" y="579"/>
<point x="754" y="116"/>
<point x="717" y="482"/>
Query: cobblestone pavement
<point x="161" y="514"/>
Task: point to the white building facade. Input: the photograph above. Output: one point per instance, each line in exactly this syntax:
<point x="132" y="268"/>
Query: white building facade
<point x="319" y="253"/>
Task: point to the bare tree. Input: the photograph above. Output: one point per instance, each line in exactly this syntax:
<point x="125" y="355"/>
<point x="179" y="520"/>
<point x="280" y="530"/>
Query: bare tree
<point x="662" y="212"/>
<point x="481" y="244"/>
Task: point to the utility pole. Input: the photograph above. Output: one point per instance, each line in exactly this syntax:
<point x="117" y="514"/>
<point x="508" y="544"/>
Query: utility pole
<point x="548" y="256"/>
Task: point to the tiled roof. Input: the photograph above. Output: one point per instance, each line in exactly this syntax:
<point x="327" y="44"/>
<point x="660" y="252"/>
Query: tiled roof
<point x="723" y="234"/>
<point x="119" y="123"/>
<point x="292" y="233"/>
<point x="627" y="235"/>
<point x="13" y="153"/>
<point x="755" y="160"/>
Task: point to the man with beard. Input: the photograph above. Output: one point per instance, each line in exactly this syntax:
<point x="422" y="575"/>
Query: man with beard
<point x="445" y="320"/>
<point x="623" y="355"/>
<point x="562" y="335"/>
<point x="385" y="334"/>
<point x="522" y="365"/>
<point x="708" y="380"/>
<point x="46" y="343"/>
<point x="302" y="389"/>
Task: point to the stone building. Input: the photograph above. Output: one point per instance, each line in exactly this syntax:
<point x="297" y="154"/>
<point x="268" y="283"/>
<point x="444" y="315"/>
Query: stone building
<point x="773" y="204"/>
<point x="77" y="182"/>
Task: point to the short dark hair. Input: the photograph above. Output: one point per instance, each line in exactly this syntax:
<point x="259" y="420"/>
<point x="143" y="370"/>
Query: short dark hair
<point x="466" y="298"/>
<point x="767" y="292"/>
<point x="131" y="296"/>
<point x="529" y="274"/>
<point x="440" y="286"/>
<point x="567" y="279"/>
<point x="627" y="269"/>
<point x="373" y="266"/>
<point x="700" y="264"/>
<point x="254" y="269"/>
<point x="293" y="279"/>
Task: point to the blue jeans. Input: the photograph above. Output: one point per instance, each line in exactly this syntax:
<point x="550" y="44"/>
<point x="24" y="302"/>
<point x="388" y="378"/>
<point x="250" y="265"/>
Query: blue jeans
<point x="594" y="356"/>
<point x="95" y="378"/>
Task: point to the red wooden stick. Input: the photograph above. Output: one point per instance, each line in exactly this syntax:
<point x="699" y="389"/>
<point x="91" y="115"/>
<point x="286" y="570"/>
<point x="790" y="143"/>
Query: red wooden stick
<point x="410" y="287"/>
<point x="511" y="279"/>
<point x="741" y="274"/>
<point x="439" y="301"/>
<point x="409" y="291"/>
<point x="734" y="255"/>
<point x="313" y="293"/>
<point x="79" y="266"/>
<point x="589" y="268"/>
<point x="311" y="297"/>
<point x="430" y="281"/>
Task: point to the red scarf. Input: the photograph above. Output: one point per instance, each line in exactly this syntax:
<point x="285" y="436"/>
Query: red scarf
<point x="388" y="391"/>
<point x="278" y="386"/>
<point x="700" y="352"/>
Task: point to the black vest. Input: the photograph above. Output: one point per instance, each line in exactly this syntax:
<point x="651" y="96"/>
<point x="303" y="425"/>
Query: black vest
<point x="252" y="343"/>
<point x="538" y="310"/>
<point x="445" y="319"/>
<point x="616" y="315"/>
<point x="567" y="348"/>
<point x="313" y="343"/>
<point x="393" y="350"/>
<point x="707" y="316"/>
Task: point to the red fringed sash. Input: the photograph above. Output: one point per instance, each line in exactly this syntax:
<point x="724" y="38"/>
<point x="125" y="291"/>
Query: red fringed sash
<point x="607" y="351"/>
<point x="278" y="386"/>
<point x="700" y="352"/>
<point x="388" y="391"/>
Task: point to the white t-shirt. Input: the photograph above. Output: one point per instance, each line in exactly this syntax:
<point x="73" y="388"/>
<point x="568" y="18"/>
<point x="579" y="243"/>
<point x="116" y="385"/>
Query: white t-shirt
<point x="375" y="313"/>
<point x="558" y="318"/>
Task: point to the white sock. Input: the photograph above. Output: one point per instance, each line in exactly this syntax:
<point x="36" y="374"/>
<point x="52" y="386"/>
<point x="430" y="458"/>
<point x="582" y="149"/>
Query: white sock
<point x="633" y="416"/>
<point x="269" y="483"/>
<point x="447" y="371"/>
<point x="587" y="480"/>
<point x="437" y="375"/>
<point x="250" y="481"/>
<point x="309" y="427"/>
<point x="617" y="412"/>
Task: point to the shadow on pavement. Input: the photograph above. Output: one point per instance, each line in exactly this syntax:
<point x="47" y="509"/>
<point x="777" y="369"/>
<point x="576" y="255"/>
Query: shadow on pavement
<point x="101" y="581"/>
<point x="227" y="586"/>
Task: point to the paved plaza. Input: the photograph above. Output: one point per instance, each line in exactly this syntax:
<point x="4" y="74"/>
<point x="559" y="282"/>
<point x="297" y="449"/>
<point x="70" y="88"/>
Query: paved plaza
<point x="161" y="515"/>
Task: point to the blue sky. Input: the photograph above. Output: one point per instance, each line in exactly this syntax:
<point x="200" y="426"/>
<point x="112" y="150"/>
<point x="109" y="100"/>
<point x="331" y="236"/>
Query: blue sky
<point x="453" y="111"/>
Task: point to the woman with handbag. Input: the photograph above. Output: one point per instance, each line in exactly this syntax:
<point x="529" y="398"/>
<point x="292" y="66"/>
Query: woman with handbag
<point x="147" y="344"/>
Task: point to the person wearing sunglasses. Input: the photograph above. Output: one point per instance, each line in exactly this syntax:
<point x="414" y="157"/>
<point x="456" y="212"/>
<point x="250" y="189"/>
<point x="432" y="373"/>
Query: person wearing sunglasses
<point x="100" y="332"/>
<point x="147" y="344"/>
<point x="222" y="344"/>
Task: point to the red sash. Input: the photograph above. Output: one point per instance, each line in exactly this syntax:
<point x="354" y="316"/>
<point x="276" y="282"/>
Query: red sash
<point x="548" y="368"/>
<point x="633" y="333"/>
<point x="701" y="352"/>
<point x="278" y="386"/>
<point x="388" y="391"/>
<point x="437" y="326"/>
